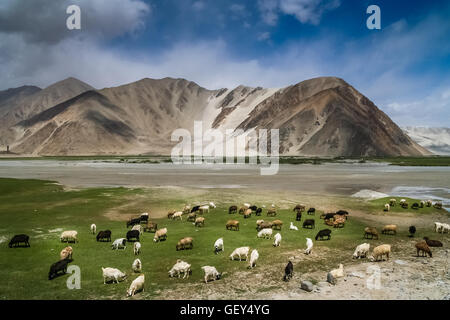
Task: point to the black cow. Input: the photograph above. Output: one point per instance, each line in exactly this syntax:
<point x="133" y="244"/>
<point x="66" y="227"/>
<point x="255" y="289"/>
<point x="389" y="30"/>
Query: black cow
<point x="104" y="235"/>
<point x="309" y="224"/>
<point x="323" y="233"/>
<point x="133" y="222"/>
<point x="195" y="208"/>
<point x="258" y="211"/>
<point x="311" y="211"/>
<point x="57" y="267"/>
<point x="299" y="216"/>
<point x="232" y="209"/>
<point x="18" y="239"/>
<point x="288" y="271"/>
<point x="133" y="234"/>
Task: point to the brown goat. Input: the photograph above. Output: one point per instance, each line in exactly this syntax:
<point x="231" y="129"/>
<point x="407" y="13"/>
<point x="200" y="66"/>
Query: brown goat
<point x="371" y="231"/>
<point x="277" y="224"/>
<point x="232" y="224"/>
<point x="185" y="243"/>
<point x="422" y="247"/>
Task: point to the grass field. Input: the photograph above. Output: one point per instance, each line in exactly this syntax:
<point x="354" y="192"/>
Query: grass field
<point x="43" y="209"/>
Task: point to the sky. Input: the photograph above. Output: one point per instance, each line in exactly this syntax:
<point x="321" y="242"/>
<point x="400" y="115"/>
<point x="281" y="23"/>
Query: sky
<point x="403" y="67"/>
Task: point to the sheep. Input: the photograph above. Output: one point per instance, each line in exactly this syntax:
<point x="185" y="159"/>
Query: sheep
<point x="151" y="227"/>
<point x="113" y="274"/>
<point x="93" y="228"/>
<point x="192" y="216"/>
<point x="422" y="247"/>
<point x="432" y="243"/>
<point x="247" y="213"/>
<point x="339" y="222"/>
<point x="299" y="208"/>
<point x="240" y="252"/>
<point x="133" y="222"/>
<point x="323" y="233"/>
<point x="342" y="213"/>
<point x="137" y="248"/>
<point x="253" y="208"/>
<point x="66" y="253"/>
<point x="328" y="216"/>
<point x="429" y="203"/>
<point x="137" y="266"/>
<point x="203" y="209"/>
<point x="415" y="206"/>
<point x="438" y="205"/>
<point x="271" y="212"/>
<point x="160" y="235"/>
<point x="199" y="222"/>
<point x="212" y="205"/>
<point x="171" y="213"/>
<point x="104" y="235"/>
<point x="438" y="227"/>
<point x="232" y="209"/>
<point x="253" y="258"/>
<point x="218" y="246"/>
<point x="69" y="236"/>
<point x="18" y="239"/>
<point x="309" y="224"/>
<point x="389" y="229"/>
<point x="232" y="224"/>
<point x="277" y="240"/>
<point x="247" y="205"/>
<point x="56" y="267"/>
<point x="277" y="224"/>
<point x="444" y="228"/>
<point x="298" y="216"/>
<point x="144" y="217"/>
<point x="338" y="273"/>
<point x="177" y="214"/>
<point x="181" y="267"/>
<point x="402" y="201"/>
<point x="404" y="205"/>
<point x="119" y="243"/>
<point x="258" y="223"/>
<point x="292" y="227"/>
<point x="361" y="251"/>
<point x="185" y="243"/>
<point x="387" y="207"/>
<point x="265" y="233"/>
<point x="136" y="285"/>
<point x="422" y="203"/>
<point x="258" y="211"/>
<point x="370" y="231"/>
<point x="186" y="209"/>
<point x="132" y="234"/>
<point x="195" y="208"/>
<point x="242" y="210"/>
<point x="211" y="273"/>
<point x="264" y="225"/>
<point x="412" y="231"/>
<point x="138" y="228"/>
<point x="311" y="211"/>
<point x="392" y="202"/>
<point x="288" y="271"/>
<point x="380" y="251"/>
<point x="309" y="246"/>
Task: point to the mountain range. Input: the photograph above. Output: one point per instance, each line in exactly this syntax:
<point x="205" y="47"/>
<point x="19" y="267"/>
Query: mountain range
<point x="318" y="117"/>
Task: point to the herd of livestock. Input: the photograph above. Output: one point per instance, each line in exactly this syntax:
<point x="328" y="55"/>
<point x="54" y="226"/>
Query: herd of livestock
<point x="265" y="229"/>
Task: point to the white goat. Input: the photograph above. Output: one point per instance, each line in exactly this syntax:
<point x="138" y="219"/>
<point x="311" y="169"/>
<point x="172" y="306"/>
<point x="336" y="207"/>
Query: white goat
<point x="309" y="246"/>
<point x="138" y="228"/>
<point x="211" y="273"/>
<point x="93" y="228"/>
<point x="265" y="233"/>
<point x="119" y="243"/>
<point x="179" y="268"/>
<point x="361" y="251"/>
<point x="292" y="227"/>
<point x="137" y="266"/>
<point x="177" y="215"/>
<point x="137" y="248"/>
<point x="218" y="246"/>
<point x="277" y="240"/>
<point x="240" y="252"/>
<point x="112" y="274"/>
<point x="136" y="285"/>
<point x="253" y="258"/>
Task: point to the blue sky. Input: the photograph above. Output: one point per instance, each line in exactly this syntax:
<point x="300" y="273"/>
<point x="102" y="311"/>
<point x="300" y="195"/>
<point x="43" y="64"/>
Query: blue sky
<point x="404" y="67"/>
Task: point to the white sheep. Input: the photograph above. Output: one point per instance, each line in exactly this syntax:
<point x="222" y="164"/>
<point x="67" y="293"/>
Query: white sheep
<point x="138" y="228"/>
<point x="177" y="214"/>
<point x="277" y="240"/>
<point x="247" y="205"/>
<point x="179" y="268"/>
<point x="112" y="274"/>
<point x="402" y="201"/>
<point x="445" y="228"/>
<point x="292" y="227"/>
<point x="380" y="251"/>
<point x="136" y="285"/>
<point x="218" y="246"/>
<point x="211" y="273"/>
<point x="309" y="246"/>
<point x="69" y="236"/>
<point x="93" y="228"/>
<point x="387" y="207"/>
<point x="265" y="233"/>
<point x="137" y="266"/>
<point x="253" y="258"/>
<point x="240" y="252"/>
<point x="212" y="205"/>
<point x="438" y="226"/>
<point x="204" y="209"/>
<point x="137" y="248"/>
<point x="119" y="243"/>
<point x="338" y="273"/>
<point x="361" y="251"/>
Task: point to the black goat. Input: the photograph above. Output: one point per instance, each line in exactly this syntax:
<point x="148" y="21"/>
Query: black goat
<point x="195" y="208"/>
<point x="299" y="216"/>
<point x="133" y="222"/>
<point x="133" y="234"/>
<point x="104" y="235"/>
<point x="323" y="233"/>
<point x="412" y="231"/>
<point x="432" y="243"/>
<point x="288" y="271"/>
<point x="57" y="267"/>
<point x="258" y="211"/>
<point x="309" y="224"/>
<point x="18" y="239"/>
<point x="311" y="211"/>
<point x="143" y="219"/>
<point x="232" y="209"/>
<point x="415" y="206"/>
<point x="329" y="216"/>
<point x="254" y="208"/>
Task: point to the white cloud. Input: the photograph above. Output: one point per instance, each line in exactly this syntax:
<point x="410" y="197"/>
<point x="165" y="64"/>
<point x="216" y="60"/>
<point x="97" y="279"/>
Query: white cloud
<point x="263" y="36"/>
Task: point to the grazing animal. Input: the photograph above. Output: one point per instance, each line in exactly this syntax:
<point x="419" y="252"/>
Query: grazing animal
<point x="212" y="205"/>
<point x="292" y="227"/>
<point x="380" y="251"/>
<point x="288" y="271"/>
<point x="104" y="235"/>
<point x="298" y="216"/>
<point x="171" y="213"/>
<point x="178" y="215"/>
<point x="311" y="211"/>
<point x="185" y="243"/>
<point x="232" y="209"/>
<point x="258" y="211"/>
<point x="218" y="246"/>
<point x="404" y="205"/>
<point x="160" y="235"/>
<point x="432" y="243"/>
<point x="309" y="246"/>
<point x="438" y="227"/>
<point x="137" y="248"/>
<point x="203" y="209"/>
<point x="18" y="239"/>
<point x="342" y="213"/>
<point x="422" y="203"/>
<point x="144" y="217"/>
<point x="392" y="202"/>
<point x="179" y="268"/>
<point x="136" y="286"/>
<point x="69" y="236"/>
<point x="199" y="222"/>
<point x="389" y="229"/>
<point x="277" y="224"/>
<point x="232" y="224"/>
<point x="211" y="273"/>
<point x="119" y="243"/>
<point x="132" y="235"/>
<point x="329" y="216"/>
<point x="137" y="266"/>
<point x="361" y="251"/>
<point x="253" y="208"/>
<point x="113" y="274"/>
<point x="66" y="253"/>
<point x="133" y="222"/>
<point x="277" y="240"/>
<point x="151" y="227"/>
<point x="195" y="208"/>
<point x="247" y="205"/>
<point x="309" y="224"/>
<point x="323" y="233"/>
<point x="339" y="222"/>
<point x="372" y="232"/>
<point x="423" y="248"/>
<point x="271" y="212"/>
<point x="264" y="225"/>
<point x="415" y="206"/>
<point x="438" y="205"/>
<point x="402" y="201"/>
<point x="242" y="210"/>
<point x="429" y="203"/>
<point x="138" y="228"/>
<point x="186" y="209"/>
<point x="57" y="267"/>
<point x="247" y="213"/>
<point x="412" y="231"/>
<point x="253" y="258"/>
<point x="387" y="207"/>
<point x="265" y="233"/>
<point x="93" y="228"/>
<point x="240" y="252"/>
<point x="299" y="208"/>
<point x="192" y="216"/>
